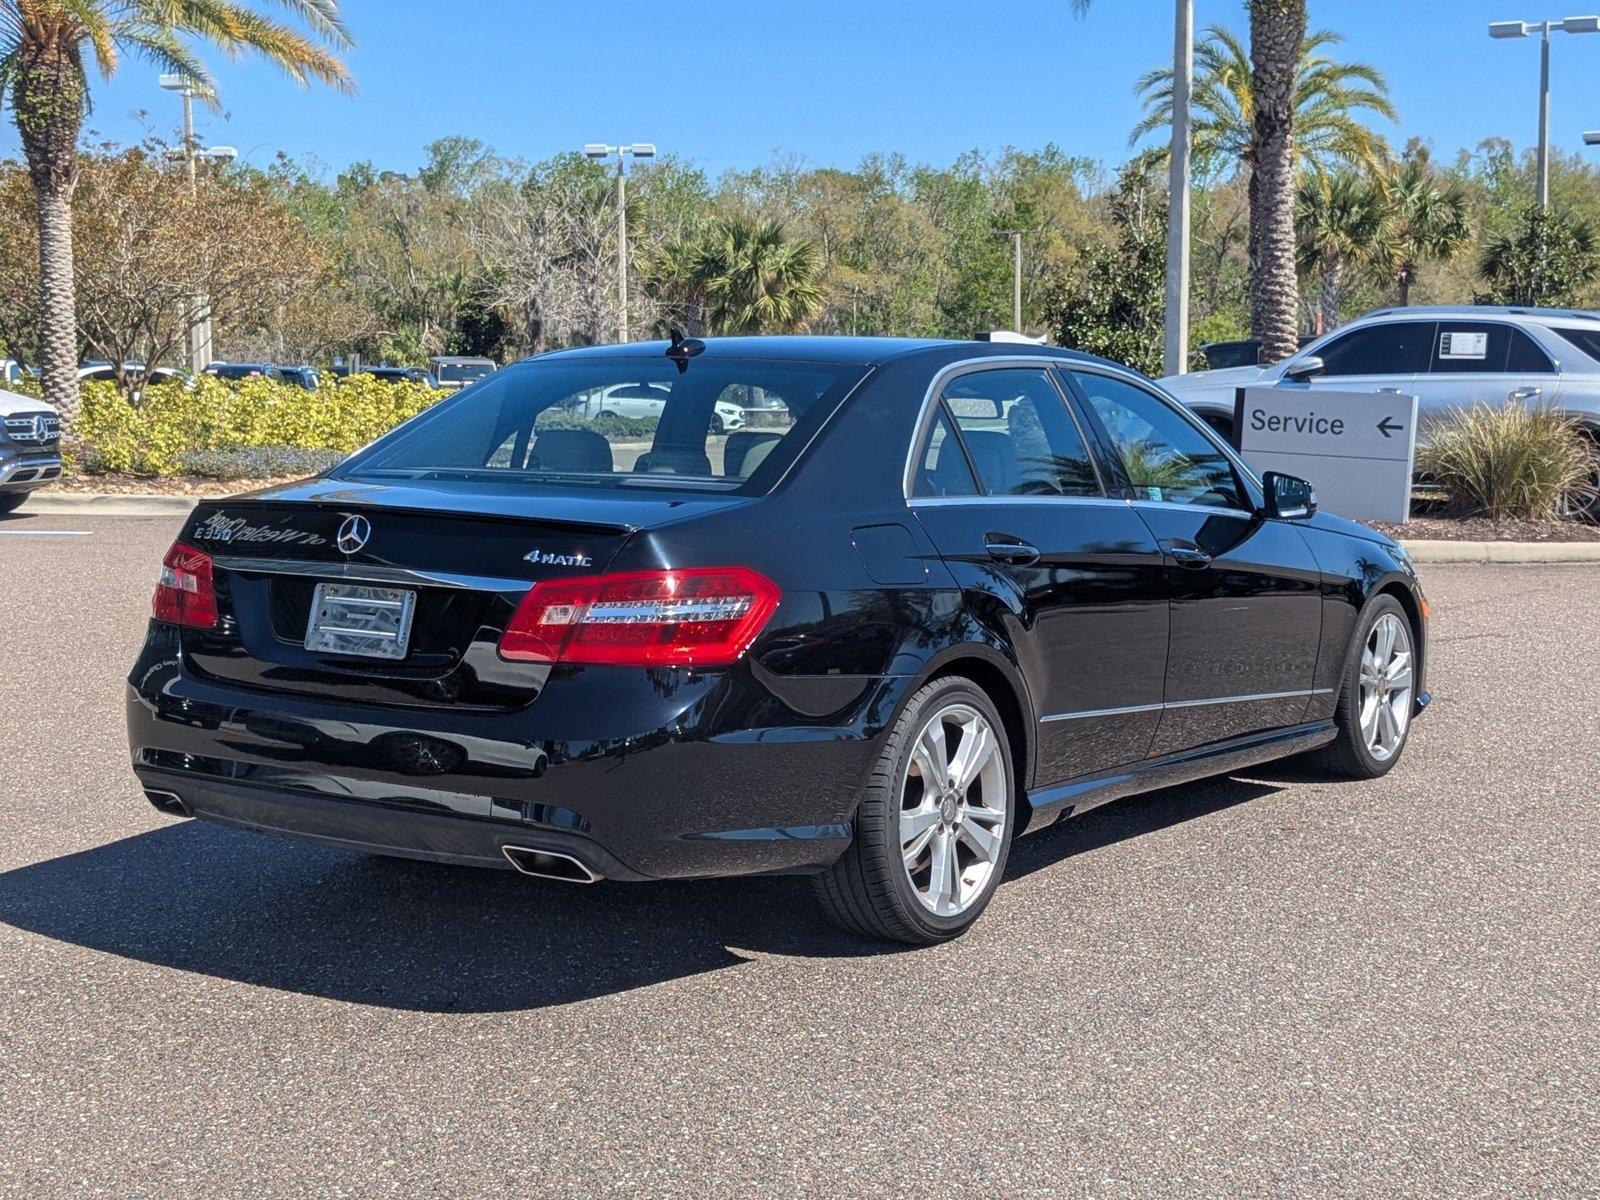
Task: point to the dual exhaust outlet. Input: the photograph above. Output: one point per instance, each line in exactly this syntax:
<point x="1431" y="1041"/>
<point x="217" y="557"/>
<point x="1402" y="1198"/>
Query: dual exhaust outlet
<point x="549" y="864"/>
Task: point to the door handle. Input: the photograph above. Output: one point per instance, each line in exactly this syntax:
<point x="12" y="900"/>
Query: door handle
<point x="1391" y="391"/>
<point x="1189" y="556"/>
<point x="1002" y="547"/>
<point x="1524" y="393"/>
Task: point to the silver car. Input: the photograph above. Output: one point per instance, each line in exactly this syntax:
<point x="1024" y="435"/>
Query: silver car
<point x="30" y="448"/>
<point x="1451" y="357"/>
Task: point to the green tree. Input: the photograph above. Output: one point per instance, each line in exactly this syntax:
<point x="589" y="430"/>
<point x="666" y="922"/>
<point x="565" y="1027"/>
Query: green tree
<point x="1547" y="260"/>
<point x="1343" y="221"/>
<point x="750" y="276"/>
<point x="1332" y="101"/>
<point x="1115" y="306"/>
<point x="45" y="46"/>
<point x="1428" y="219"/>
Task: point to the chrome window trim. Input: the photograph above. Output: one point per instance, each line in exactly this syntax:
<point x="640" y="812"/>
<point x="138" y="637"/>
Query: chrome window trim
<point x="1166" y="704"/>
<point x="365" y="573"/>
<point x="943" y="375"/>
<point x="939" y="501"/>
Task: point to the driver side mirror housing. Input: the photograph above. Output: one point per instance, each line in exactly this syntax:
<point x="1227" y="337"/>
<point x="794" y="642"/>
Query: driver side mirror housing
<point x="1289" y="498"/>
<point x="1303" y="369"/>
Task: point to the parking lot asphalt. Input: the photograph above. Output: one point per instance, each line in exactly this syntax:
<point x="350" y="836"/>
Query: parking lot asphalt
<point x="1265" y="985"/>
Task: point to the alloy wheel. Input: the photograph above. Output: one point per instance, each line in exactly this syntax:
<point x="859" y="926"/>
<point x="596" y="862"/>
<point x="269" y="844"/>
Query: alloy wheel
<point x="953" y="813"/>
<point x="1387" y="677"/>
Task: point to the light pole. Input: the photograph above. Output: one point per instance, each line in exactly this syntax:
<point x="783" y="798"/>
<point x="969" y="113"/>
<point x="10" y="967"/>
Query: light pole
<point x="1016" y="275"/>
<point x="1175" y="348"/>
<point x="600" y="150"/>
<point x="1522" y="29"/>
<point x="199" y="336"/>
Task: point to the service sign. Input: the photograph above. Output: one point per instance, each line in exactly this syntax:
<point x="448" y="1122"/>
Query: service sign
<point x="1357" y="447"/>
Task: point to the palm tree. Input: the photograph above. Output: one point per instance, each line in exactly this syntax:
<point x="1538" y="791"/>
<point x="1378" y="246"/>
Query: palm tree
<point x="1429" y="219"/>
<point x="1277" y="37"/>
<point x="44" y="49"/>
<point x="1331" y="98"/>
<point x="1343" y="221"/>
<point x="754" y="277"/>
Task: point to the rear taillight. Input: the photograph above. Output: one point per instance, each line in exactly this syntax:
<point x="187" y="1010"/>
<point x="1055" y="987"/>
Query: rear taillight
<point x="186" y="594"/>
<point x="697" y="617"/>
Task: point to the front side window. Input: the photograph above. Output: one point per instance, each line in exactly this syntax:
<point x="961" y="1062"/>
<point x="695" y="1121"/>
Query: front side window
<point x="551" y="422"/>
<point x="1397" y="348"/>
<point x="1019" y="435"/>
<point x="1485" y="348"/>
<point x="1165" y="457"/>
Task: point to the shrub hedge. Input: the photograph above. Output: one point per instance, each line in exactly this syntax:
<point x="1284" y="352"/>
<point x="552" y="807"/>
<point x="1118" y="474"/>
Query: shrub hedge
<point x="1511" y="461"/>
<point x="175" y="428"/>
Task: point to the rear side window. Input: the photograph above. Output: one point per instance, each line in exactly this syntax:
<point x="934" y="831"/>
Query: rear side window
<point x="1019" y="435"/>
<point x="1485" y="348"/>
<point x="561" y="421"/>
<point x="1587" y="340"/>
<point x="943" y="470"/>
<point x="1399" y="348"/>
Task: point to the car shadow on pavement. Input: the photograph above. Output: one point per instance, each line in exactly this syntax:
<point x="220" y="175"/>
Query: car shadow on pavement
<point x="429" y="938"/>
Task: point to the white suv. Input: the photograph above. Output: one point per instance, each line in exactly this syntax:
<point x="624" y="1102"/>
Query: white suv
<point x="1451" y="358"/>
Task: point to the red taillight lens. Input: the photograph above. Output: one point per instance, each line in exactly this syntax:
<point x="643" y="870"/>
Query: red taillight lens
<point x="699" y="617"/>
<point x="186" y="594"/>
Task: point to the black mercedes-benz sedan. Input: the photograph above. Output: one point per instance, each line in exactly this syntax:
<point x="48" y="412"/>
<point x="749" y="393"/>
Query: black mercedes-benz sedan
<point x="930" y="595"/>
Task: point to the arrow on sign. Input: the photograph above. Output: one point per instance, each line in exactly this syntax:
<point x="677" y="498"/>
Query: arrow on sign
<point x="1388" y="428"/>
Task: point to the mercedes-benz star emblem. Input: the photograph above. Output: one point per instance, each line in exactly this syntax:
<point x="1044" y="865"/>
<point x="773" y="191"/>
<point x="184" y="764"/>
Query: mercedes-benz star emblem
<point x="353" y="534"/>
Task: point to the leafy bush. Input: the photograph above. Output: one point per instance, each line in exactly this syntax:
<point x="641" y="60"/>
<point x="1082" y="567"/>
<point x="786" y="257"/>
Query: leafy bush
<point x="173" y="421"/>
<point x="257" y="462"/>
<point x="610" y="426"/>
<point x="1512" y="462"/>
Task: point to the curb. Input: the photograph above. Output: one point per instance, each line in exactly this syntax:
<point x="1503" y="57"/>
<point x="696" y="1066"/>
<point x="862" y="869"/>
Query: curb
<point x="1502" y="553"/>
<point x="106" y="504"/>
<point x="112" y="504"/>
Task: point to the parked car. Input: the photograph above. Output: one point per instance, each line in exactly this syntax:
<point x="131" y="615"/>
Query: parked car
<point x="1451" y="358"/>
<point x="235" y="372"/>
<point x="457" y="371"/>
<point x="970" y="590"/>
<point x="648" y="401"/>
<point x="30" y="448"/>
<point x="137" y="376"/>
<point x="306" y="377"/>
<point x="1246" y="352"/>
<point x="398" y="375"/>
<point x="12" y="372"/>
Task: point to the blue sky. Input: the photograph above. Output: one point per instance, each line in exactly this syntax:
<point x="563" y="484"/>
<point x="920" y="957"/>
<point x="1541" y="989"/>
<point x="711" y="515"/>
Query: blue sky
<point x="730" y="84"/>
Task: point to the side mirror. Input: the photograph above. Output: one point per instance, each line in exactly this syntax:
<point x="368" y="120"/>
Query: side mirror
<point x="1303" y="369"/>
<point x="1289" y="498"/>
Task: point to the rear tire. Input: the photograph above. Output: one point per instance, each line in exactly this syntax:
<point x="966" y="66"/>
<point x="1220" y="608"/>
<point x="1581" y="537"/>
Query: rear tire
<point x="926" y="860"/>
<point x="11" y="501"/>
<point x="1378" y="674"/>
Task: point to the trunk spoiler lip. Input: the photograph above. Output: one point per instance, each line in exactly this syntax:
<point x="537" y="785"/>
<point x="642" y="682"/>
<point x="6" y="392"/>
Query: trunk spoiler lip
<point x="214" y="504"/>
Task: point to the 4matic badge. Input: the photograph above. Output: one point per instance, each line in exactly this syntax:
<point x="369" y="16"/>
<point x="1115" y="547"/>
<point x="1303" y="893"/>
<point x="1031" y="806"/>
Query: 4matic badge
<point x="545" y="559"/>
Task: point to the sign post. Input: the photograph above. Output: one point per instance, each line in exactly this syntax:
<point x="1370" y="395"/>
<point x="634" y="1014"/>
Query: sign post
<point x="1358" y="448"/>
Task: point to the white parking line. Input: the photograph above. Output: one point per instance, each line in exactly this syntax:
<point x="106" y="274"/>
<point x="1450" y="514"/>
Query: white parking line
<point x="46" y="533"/>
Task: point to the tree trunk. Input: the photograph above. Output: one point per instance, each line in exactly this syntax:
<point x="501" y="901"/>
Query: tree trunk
<point x="1332" y="293"/>
<point x="47" y="99"/>
<point x="1277" y="30"/>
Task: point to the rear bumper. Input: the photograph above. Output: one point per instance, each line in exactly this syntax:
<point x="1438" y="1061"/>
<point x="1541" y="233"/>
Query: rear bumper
<point x="693" y="797"/>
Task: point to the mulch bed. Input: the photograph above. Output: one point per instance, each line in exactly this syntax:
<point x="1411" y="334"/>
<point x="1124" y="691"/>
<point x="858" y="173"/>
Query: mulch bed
<point x="1482" y="529"/>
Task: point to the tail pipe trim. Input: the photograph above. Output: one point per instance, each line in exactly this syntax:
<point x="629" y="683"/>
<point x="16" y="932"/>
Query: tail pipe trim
<point x="549" y="864"/>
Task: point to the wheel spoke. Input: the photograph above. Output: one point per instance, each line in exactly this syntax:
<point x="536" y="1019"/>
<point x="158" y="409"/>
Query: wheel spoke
<point x="1399" y="671"/>
<point x="985" y="843"/>
<point x="942" y="872"/>
<point x="1388" y="728"/>
<point x="916" y="821"/>
<point x="1369" y="718"/>
<point x="994" y="816"/>
<point x="977" y="745"/>
<point x="933" y="757"/>
<point x="912" y="850"/>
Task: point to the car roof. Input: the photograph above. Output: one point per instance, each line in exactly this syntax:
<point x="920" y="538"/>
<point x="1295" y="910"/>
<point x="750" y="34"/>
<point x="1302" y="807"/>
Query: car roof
<point x="845" y="350"/>
<point x="1469" y="311"/>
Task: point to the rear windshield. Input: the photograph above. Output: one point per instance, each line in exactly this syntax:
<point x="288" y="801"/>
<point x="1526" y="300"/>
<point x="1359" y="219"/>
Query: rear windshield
<point x="462" y="372"/>
<point x="619" y="422"/>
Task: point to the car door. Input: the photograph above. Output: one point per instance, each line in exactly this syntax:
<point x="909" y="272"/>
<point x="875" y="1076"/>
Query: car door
<point x="1482" y="363"/>
<point x="1006" y="488"/>
<point x="1245" y="591"/>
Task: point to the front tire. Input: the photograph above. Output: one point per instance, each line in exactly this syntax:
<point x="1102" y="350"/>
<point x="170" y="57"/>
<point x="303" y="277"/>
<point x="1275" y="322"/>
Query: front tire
<point x="934" y="826"/>
<point x="11" y="501"/>
<point x="1376" y="695"/>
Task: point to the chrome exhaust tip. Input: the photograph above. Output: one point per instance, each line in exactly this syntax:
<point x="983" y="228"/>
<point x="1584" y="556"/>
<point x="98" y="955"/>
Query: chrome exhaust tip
<point x="549" y="864"/>
<point x="168" y="802"/>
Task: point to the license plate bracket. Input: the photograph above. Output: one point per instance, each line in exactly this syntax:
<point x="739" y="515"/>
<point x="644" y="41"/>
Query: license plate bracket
<point x="360" y="620"/>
